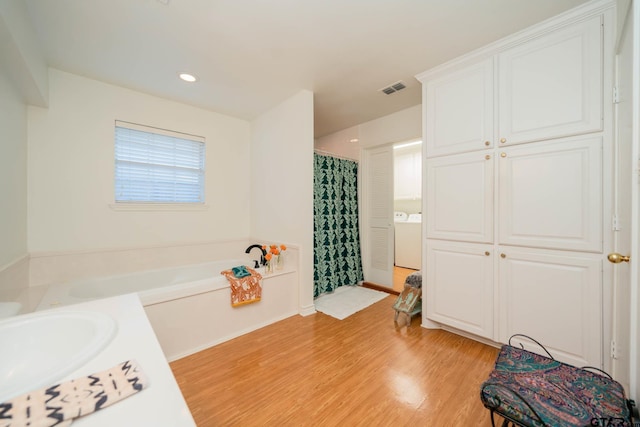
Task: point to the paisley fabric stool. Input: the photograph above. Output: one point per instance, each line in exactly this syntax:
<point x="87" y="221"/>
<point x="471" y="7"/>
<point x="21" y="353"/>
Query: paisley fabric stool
<point x="530" y="390"/>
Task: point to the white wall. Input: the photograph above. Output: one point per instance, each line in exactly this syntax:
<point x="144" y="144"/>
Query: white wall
<point x="405" y="125"/>
<point x="408" y="206"/>
<point x="282" y="183"/>
<point x="71" y="163"/>
<point x="20" y="53"/>
<point x="23" y="79"/>
<point x="339" y="143"/>
<point x="13" y="173"/>
<point x="402" y="126"/>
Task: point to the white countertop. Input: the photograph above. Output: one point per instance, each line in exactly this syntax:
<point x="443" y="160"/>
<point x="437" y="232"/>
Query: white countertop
<point x="161" y="403"/>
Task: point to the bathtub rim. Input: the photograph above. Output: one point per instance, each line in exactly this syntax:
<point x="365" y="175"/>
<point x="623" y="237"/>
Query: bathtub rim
<point x="58" y="295"/>
<point x="196" y="287"/>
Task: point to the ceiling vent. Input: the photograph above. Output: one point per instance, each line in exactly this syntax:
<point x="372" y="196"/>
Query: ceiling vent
<point x="394" y="88"/>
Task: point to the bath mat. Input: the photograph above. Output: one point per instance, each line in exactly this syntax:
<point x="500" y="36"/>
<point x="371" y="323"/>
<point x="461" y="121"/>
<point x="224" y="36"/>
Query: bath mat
<point x="347" y="300"/>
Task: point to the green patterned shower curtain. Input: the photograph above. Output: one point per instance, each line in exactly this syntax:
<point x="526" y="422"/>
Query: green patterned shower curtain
<point x="336" y="238"/>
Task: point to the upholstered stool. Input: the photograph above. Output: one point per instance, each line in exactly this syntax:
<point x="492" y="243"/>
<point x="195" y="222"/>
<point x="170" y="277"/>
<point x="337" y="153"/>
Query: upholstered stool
<point x="409" y="301"/>
<point x="414" y="280"/>
<point x="531" y="390"/>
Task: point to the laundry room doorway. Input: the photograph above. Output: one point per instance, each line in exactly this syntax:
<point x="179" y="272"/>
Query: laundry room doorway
<point x="392" y="217"/>
<point x="407" y="206"/>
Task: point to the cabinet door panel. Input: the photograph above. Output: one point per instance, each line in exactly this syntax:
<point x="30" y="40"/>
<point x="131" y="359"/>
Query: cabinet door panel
<point x="460" y="197"/>
<point x="459" y="286"/>
<point x="550" y="195"/>
<point x="460" y="111"/>
<point x="552" y="86"/>
<point x="554" y="298"/>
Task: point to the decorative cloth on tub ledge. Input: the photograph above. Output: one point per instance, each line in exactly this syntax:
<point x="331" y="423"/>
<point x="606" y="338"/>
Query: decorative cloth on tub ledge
<point x="244" y="290"/>
<point x="60" y="404"/>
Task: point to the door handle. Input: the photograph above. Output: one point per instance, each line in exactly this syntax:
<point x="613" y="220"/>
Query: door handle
<point x="617" y="258"/>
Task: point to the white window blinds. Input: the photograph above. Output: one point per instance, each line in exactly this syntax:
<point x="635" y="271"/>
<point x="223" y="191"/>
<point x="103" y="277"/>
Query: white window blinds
<point x="158" y="166"/>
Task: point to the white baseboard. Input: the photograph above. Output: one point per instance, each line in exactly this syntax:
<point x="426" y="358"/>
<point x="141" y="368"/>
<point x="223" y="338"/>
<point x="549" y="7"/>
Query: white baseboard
<point x="307" y="310"/>
<point x="472" y="336"/>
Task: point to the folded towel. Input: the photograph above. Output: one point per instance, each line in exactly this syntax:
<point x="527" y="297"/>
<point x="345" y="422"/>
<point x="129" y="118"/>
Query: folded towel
<point x="240" y="271"/>
<point x="244" y="290"/>
<point x="60" y="404"/>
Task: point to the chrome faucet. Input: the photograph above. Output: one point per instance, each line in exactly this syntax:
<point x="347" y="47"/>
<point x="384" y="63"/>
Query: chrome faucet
<point x="263" y="261"/>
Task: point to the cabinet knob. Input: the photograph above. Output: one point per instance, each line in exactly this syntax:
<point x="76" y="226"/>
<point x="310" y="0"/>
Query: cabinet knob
<point x="487" y="157"/>
<point x="487" y="143"/>
<point x="487" y="253"/>
<point x="503" y="140"/>
<point x="503" y="154"/>
<point x="503" y="255"/>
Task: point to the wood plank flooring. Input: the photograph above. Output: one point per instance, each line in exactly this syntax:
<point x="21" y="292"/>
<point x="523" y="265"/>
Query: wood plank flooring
<point x="399" y="276"/>
<point x="320" y="371"/>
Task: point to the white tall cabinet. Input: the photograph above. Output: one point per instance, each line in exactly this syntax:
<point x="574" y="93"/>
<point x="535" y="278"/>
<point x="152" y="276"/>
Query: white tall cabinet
<point x="517" y="138"/>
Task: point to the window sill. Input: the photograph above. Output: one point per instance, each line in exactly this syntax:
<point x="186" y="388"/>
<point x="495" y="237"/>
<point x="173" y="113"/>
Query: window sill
<point x="158" y="207"/>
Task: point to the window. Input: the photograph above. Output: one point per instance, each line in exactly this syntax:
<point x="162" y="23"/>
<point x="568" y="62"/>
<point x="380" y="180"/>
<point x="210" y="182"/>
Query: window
<point x="157" y="166"/>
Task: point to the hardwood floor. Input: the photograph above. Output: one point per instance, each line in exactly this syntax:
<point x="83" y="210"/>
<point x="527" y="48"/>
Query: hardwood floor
<point x="320" y="371"/>
<point x="399" y="276"/>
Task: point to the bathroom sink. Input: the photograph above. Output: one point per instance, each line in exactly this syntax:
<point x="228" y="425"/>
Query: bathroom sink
<point x="39" y="349"/>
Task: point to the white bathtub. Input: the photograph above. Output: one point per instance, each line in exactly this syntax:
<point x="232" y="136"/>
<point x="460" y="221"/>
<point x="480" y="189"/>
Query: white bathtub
<point x="189" y="307"/>
<point x="152" y="286"/>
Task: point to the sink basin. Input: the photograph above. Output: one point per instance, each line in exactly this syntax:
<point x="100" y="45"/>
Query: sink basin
<point x="39" y="349"/>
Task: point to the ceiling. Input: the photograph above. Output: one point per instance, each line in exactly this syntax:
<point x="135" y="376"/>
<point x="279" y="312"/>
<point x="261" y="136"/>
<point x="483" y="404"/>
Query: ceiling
<point x="250" y="55"/>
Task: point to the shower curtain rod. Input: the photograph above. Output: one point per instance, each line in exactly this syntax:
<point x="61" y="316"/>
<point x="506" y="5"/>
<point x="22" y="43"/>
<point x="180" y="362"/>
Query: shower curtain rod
<point x="327" y="153"/>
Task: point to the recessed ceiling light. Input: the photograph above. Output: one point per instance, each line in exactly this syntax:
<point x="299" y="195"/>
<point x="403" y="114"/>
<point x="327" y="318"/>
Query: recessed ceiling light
<point x="188" y="77"/>
<point x="354" y="140"/>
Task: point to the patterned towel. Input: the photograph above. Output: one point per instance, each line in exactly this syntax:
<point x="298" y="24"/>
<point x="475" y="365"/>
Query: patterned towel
<point x="244" y="290"/>
<point x="60" y="404"/>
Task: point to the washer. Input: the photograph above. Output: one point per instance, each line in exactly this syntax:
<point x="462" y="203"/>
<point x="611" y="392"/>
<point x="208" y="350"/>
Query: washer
<point x="400" y="216"/>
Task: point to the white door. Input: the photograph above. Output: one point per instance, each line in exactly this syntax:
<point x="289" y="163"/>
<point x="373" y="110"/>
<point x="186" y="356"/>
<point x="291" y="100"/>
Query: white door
<point x="459" y="197"/>
<point x="378" y="238"/>
<point x="459" y="285"/>
<point x="551" y="86"/>
<point x="623" y="163"/>
<point x="550" y="194"/>
<point x="460" y="111"/>
<point x="554" y="297"/>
